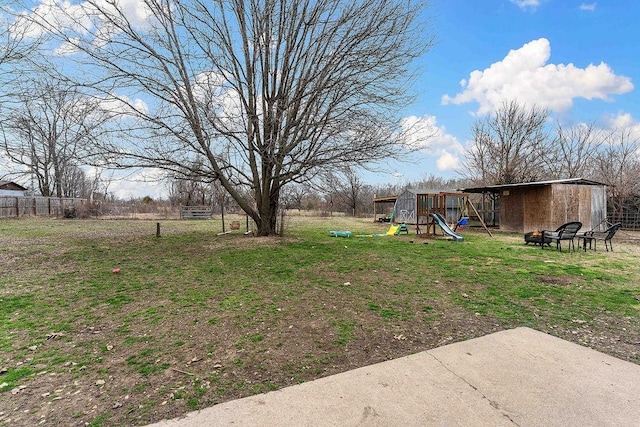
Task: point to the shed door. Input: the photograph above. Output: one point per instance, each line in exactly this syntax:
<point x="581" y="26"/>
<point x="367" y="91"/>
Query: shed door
<point x="598" y="208"/>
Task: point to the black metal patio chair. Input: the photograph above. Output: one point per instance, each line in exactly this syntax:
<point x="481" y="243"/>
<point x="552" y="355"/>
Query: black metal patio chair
<point x="603" y="236"/>
<point x="566" y="232"/>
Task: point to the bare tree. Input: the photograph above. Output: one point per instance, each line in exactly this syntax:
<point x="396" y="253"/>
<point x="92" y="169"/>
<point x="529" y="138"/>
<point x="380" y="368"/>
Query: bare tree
<point x="574" y="150"/>
<point x="267" y="91"/>
<point x="618" y="166"/>
<point x="47" y="130"/>
<point x="75" y="183"/>
<point x="15" y="44"/>
<point x="434" y="182"/>
<point x="190" y="192"/>
<point x="293" y="195"/>
<point x="346" y="189"/>
<point x="508" y="146"/>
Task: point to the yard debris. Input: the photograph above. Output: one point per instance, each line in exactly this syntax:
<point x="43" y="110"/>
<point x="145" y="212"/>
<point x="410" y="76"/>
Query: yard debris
<point x="194" y="360"/>
<point x="183" y="372"/>
<point x="399" y="337"/>
<point x="55" y="335"/>
<point x="33" y="348"/>
<point x="18" y="389"/>
<point x="100" y="382"/>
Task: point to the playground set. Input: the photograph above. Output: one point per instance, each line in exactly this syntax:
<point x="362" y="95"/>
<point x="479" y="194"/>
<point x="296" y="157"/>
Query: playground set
<point x="429" y="210"/>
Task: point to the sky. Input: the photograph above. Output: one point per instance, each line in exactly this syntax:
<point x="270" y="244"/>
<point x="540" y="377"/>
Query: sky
<point x="578" y="59"/>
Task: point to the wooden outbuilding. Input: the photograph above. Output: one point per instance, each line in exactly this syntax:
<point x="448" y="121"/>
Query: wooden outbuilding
<point x="545" y="205"/>
<point x="10" y="188"/>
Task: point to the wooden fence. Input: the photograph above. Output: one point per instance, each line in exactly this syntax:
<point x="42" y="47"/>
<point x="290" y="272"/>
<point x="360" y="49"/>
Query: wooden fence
<point x="17" y="206"/>
<point x="195" y="212"/>
<point x="629" y="220"/>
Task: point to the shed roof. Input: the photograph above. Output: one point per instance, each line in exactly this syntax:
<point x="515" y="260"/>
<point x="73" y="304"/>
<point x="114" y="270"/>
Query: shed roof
<point x="10" y="185"/>
<point x="385" y="199"/>
<point x="426" y="191"/>
<point x="500" y="187"/>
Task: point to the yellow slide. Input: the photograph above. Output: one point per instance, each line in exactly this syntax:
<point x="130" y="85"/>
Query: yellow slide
<point x="393" y="230"/>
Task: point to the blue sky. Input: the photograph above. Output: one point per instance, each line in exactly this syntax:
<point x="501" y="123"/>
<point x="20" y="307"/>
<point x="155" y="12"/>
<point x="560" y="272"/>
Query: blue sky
<point x="579" y="59"/>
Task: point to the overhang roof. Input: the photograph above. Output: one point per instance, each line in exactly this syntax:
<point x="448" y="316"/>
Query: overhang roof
<point x="385" y="199"/>
<point x="10" y="185"/>
<point x="500" y="187"/>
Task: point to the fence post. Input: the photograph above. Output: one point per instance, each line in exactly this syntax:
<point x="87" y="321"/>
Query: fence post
<point x="17" y="207"/>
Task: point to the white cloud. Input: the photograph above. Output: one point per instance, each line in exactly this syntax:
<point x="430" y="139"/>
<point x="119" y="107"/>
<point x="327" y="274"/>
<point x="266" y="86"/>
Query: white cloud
<point x="525" y="76"/>
<point x="81" y="18"/>
<point x="626" y="123"/>
<point x="448" y="161"/>
<point x="67" y="48"/>
<point x="591" y="7"/>
<point x="139" y="183"/>
<point x="524" y="4"/>
<point x="123" y="105"/>
<point x="58" y="15"/>
<point x="424" y="134"/>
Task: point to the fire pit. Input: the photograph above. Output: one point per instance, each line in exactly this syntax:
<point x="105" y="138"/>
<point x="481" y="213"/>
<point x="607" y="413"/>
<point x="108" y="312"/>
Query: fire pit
<point x="535" y="237"/>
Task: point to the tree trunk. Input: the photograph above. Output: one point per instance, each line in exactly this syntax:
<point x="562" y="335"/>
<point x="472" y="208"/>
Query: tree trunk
<point x="267" y="218"/>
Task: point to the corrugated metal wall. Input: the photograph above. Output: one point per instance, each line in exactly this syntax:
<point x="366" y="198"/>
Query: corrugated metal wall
<point x="599" y="207"/>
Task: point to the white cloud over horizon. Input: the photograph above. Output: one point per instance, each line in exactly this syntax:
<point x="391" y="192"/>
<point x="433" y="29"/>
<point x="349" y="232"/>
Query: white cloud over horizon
<point x="526" y="76"/>
<point x="424" y="133"/>
<point x="138" y="183"/>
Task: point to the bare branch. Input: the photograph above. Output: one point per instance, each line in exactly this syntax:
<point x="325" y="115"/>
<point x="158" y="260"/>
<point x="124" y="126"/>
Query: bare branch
<point x="509" y="147"/>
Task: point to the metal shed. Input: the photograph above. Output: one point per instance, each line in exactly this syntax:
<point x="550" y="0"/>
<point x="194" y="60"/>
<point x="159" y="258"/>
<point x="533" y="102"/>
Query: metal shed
<point x="545" y="205"/>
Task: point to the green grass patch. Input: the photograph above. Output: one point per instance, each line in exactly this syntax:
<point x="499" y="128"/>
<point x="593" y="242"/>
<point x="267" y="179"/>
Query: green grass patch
<point x="213" y="318"/>
<point x="345" y="331"/>
<point x="13" y="376"/>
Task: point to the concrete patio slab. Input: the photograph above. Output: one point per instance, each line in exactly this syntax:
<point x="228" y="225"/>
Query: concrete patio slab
<point x="517" y="377"/>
